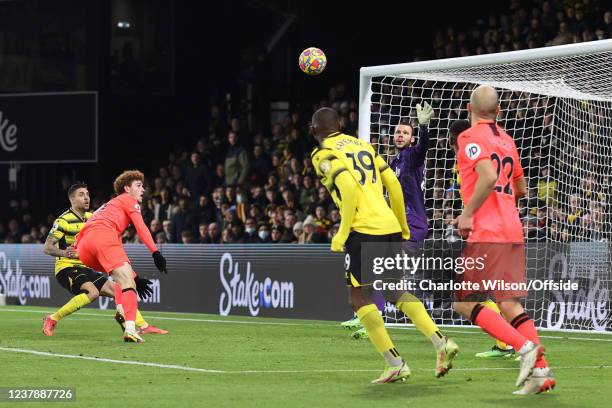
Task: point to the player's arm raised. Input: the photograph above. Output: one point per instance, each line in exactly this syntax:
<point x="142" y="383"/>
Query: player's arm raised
<point x="396" y="196"/>
<point x="417" y="154"/>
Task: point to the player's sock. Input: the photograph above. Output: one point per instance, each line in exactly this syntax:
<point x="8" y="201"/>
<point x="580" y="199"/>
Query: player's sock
<point x="140" y="321"/>
<point x="71" y="306"/>
<point x="118" y="294"/>
<point x="375" y="327"/>
<point x="493" y="306"/>
<point x="526" y="326"/>
<point x="416" y="312"/>
<point x="130" y="304"/>
<point x="496" y="326"/>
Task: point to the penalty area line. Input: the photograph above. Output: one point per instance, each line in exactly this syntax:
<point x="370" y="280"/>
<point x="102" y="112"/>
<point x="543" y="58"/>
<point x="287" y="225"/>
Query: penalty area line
<point x="212" y="371"/>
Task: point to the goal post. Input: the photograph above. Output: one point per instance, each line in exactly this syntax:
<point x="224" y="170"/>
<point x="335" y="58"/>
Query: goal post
<point x="556" y="102"/>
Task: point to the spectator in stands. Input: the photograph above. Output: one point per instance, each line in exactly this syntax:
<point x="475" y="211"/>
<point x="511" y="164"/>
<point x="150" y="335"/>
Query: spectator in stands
<point x="250" y="231"/>
<point x="563" y="35"/>
<point x="236" y="162"/>
<point x="307" y="236"/>
<point x="196" y="177"/>
<point x="183" y="219"/>
<point x="218" y="179"/>
<point x="214" y="235"/>
<point x="187" y="237"/>
<point x="275" y="235"/>
<point x="321" y="218"/>
<point x="204" y="212"/>
<point x="155" y="226"/>
<point x="287" y="236"/>
<point x="298" y="229"/>
<point x="202" y="233"/>
<point x="262" y="164"/>
<point x="263" y="232"/>
<point x="14" y="231"/>
<point x="163" y="210"/>
<point x="168" y="231"/>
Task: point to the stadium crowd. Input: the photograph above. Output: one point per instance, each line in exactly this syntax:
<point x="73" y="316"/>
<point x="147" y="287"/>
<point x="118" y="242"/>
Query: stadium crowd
<point x="237" y="187"/>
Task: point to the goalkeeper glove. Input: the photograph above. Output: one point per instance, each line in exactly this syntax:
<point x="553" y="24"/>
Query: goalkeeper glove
<point x="424" y="113"/>
<point x="143" y="287"/>
<point x="160" y="262"/>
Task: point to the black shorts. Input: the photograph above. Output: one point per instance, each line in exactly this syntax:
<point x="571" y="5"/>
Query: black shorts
<point x="354" y="257"/>
<point x="73" y="278"/>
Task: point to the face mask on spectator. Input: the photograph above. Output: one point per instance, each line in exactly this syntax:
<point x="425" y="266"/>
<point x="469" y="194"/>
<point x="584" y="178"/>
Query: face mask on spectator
<point x="250" y="230"/>
<point x="239" y="199"/>
<point x="264" y="234"/>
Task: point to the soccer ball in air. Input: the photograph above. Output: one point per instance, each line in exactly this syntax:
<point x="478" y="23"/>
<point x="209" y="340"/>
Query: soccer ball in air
<point x="312" y="61"/>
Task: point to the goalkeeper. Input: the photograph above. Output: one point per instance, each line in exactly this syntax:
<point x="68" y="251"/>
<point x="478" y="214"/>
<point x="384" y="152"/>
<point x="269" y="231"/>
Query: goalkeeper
<point x="409" y="167"/>
<point x="84" y="283"/>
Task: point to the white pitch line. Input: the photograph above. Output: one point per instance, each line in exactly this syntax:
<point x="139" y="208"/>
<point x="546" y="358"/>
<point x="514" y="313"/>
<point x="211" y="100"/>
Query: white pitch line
<point x="184" y="319"/>
<point x="211" y="371"/>
<point x="192" y="319"/>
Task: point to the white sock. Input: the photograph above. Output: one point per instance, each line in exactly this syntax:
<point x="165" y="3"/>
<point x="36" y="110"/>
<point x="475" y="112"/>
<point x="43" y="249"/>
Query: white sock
<point x="130" y="325"/>
<point x="392" y="361"/>
<point x="528" y="346"/>
<point x="437" y="341"/>
<point x="541" y="372"/>
<point x="120" y="309"/>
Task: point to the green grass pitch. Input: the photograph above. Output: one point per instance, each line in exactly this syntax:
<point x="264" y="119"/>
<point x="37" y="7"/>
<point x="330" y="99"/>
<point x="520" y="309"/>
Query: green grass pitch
<point x="273" y="362"/>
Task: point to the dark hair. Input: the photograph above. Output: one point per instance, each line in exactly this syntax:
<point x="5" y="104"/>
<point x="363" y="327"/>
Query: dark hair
<point x="73" y="188"/>
<point x="456" y="128"/>
<point x="404" y="122"/>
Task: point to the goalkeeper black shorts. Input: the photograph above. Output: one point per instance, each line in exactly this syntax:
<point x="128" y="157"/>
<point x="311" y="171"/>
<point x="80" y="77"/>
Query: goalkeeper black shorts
<point x="73" y="278"/>
<point x="361" y="249"/>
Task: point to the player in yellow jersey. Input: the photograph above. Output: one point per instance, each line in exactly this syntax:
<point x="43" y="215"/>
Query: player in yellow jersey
<point x="85" y="283"/>
<point x="354" y="175"/>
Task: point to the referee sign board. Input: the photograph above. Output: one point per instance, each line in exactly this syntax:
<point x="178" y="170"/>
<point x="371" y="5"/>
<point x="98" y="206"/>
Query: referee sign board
<point x="49" y="127"/>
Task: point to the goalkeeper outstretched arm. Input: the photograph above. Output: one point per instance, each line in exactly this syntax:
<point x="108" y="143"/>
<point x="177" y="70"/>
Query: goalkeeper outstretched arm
<point x="396" y="196"/>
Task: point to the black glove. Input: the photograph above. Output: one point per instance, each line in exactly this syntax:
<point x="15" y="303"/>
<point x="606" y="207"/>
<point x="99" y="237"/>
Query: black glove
<point x="143" y="287"/>
<point x="160" y="261"/>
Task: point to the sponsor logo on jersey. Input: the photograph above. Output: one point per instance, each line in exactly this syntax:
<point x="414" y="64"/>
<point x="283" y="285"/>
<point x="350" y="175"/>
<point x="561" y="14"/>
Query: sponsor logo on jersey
<point x="472" y="151"/>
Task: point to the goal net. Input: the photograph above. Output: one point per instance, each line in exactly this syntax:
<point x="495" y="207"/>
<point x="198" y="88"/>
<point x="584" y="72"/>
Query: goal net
<point x="556" y="103"/>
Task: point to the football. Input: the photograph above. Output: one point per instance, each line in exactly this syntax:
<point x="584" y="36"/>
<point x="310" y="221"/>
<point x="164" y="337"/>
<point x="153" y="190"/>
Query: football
<point x="312" y="61"/>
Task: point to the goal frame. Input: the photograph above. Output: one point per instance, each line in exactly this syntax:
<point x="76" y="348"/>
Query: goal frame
<point x="366" y="75"/>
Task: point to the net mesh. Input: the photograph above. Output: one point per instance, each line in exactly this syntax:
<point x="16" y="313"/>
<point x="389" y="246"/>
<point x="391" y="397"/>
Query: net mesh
<point x="559" y="112"/>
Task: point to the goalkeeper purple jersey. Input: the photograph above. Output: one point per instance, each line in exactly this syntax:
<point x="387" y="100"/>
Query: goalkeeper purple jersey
<point x="409" y="167"/>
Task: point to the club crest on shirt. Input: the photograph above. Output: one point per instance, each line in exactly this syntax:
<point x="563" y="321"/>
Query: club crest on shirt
<point x="137" y="207"/>
<point x="472" y="151"/>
